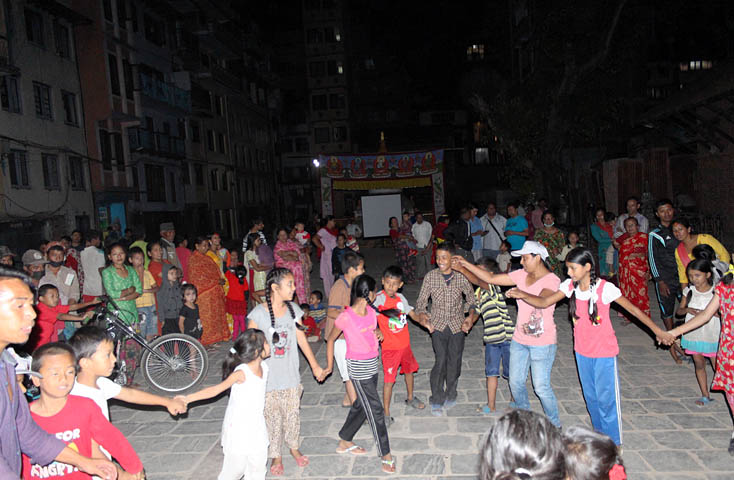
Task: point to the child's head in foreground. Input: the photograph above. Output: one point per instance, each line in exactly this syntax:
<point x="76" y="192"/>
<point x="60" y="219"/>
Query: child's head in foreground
<point x="94" y="351"/>
<point x="522" y="445"/>
<point x="48" y="295"/>
<point x="57" y="365"/>
<point x="392" y="280"/>
<point x="591" y="456"/>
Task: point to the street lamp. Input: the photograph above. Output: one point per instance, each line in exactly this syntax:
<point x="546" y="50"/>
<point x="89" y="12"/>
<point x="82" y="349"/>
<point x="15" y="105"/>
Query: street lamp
<point x="316" y="162"/>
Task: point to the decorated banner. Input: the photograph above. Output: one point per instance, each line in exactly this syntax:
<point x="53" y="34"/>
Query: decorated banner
<point x="382" y="171"/>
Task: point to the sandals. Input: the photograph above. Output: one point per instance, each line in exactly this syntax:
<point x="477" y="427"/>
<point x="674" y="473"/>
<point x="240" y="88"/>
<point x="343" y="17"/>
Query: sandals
<point x="703" y="401"/>
<point x="389" y="421"/>
<point x="486" y="410"/>
<point x="388" y="466"/>
<point x="302" y="461"/>
<point x="276" y="470"/>
<point x="416" y="403"/>
<point x="353" y="450"/>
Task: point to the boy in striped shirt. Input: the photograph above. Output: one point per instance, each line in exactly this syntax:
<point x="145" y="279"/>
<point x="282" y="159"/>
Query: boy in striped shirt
<point x="498" y="330"/>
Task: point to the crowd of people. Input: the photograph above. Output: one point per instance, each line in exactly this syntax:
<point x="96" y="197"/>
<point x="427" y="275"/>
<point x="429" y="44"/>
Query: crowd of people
<point x="263" y="302"/>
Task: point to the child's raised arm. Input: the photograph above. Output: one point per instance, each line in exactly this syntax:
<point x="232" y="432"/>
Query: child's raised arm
<point x="697" y="321"/>
<point x="79" y="306"/>
<point x="175" y="406"/>
<point x="544" y="300"/>
<point x="461" y="265"/>
<point x="70" y="317"/>
<point x="211" y="392"/>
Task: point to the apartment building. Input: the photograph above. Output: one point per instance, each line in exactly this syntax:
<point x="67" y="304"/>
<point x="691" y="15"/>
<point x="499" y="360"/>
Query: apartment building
<point x="44" y="181"/>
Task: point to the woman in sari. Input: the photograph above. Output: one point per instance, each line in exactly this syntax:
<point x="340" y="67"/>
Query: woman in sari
<point x="221" y="258"/>
<point x="404" y="244"/>
<point x="634" y="271"/>
<point x="603" y="233"/>
<point x="305" y="259"/>
<point x="325" y="241"/>
<point x="287" y="255"/>
<point x="553" y="240"/>
<point x="207" y="277"/>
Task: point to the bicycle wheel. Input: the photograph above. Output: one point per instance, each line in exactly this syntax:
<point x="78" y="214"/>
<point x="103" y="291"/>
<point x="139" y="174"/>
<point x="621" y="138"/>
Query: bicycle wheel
<point x="181" y="363"/>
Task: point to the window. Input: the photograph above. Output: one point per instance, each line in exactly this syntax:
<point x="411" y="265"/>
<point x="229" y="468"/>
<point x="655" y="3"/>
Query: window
<point x="337" y="101"/>
<point x="119" y="154"/>
<point x="61" y="38"/>
<point x="302" y="144"/>
<point x="34" y="27"/>
<point x="219" y="105"/>
<point x="321" y="134"/>
<point x="340" y="134"/>
<point x="181" y="125"/>
<point x="127" y="73"/>
<point x="222" y="145"/>
<point x="319" y="102"/>
<point x="335" y="67"/>
<point x="134" y="16"/>
<point x="172" y="183"/>
<point x="107" y="9"/>
<point x="475" y="52"/>
<point x="42" y="97"/>
<point x="50" y="171"/>
<point x="9" y="97"/>
<point x="105" y="149"/>
<point x="76" y="173"/>
<point x="317" y="69"/>
<point x="332" y="35"/>
<point x="114" y="74"/>
<point x="369" y="64"/>
<point x="210" y="140"/>
<point x="195" y="132"/>
<point x="155" y="183"/>
<point x="121" y="13"/>
<point x="186" y="174"/>
<point x="70" y="113"/>
<point x="199" y="174"/>
<point x="18" y="169"/>
<point x="225" y="181"/>
<point x="314" y="35"/>
<point x="214" y="179"/>
<point x="154" y="30"/>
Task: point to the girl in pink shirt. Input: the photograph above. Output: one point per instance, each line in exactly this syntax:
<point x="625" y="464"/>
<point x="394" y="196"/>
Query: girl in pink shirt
<point x="359" y="324"/>
<point x="595" y="343"/>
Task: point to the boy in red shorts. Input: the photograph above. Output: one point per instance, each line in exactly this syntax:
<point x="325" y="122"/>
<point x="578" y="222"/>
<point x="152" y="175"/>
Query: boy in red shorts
<point x="396" y="351"/>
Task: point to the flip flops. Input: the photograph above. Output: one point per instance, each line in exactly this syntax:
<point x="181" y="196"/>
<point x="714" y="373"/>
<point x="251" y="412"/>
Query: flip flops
<point x="486" y="410"/>
<point x="276" y="470"/>
<point x="353" y="450"/>
<point x="416" y="403"/>
<point x="703" y="401"/>
<point x="388" y="466"/>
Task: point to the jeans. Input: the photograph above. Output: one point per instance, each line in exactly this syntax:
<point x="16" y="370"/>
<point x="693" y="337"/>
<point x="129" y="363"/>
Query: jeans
<point x="449" y="348"/>
<point x="368" y="406"/>
<point x="492" y="254"/>
<point x="539" y="360"/>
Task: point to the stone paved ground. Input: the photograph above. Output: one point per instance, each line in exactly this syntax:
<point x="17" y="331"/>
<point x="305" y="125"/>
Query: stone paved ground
<point x="666" y="436"/>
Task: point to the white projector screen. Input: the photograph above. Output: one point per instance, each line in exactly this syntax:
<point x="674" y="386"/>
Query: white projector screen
<point x="376" y="212"/>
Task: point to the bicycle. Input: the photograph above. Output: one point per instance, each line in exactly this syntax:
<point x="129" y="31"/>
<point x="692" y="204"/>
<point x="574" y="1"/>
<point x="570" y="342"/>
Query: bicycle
<point x="171" y="364"/>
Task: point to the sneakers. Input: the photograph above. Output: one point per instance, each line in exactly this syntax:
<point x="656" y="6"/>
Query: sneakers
<point x="449" y="404"/>
<point x="437" y="410"/>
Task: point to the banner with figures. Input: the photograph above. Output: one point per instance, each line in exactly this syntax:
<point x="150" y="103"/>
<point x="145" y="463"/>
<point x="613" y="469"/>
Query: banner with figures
<point x="382" y="170"/>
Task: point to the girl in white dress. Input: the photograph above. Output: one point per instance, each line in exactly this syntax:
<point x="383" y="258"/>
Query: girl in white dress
<point x="244" y="435"/>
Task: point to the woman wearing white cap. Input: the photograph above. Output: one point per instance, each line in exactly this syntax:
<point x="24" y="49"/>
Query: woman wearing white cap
<point x="533" y="346"/>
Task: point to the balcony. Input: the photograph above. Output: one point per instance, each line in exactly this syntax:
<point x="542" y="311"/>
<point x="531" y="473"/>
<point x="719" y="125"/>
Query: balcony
<point x="158" y="143"/>
<point x="165" y="93"/>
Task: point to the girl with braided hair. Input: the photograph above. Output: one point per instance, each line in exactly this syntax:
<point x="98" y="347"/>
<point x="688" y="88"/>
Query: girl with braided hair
<point x="595" y="343"/>
<point x="359" y="324"/>
<point x="280" y="319"/>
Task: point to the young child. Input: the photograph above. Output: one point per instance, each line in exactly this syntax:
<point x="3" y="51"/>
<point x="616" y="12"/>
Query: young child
<point x="155" y="265"/>
<point x="504" y="259"/>
<point x="595" y="343"/>
<point x="145" y="303"/>
<point x="318" y="309"/>
<point x="350" y="241"/>
<point x="337" y="254"/>
<point x="237" y="297"/>
<point x="572" y="241"/>
<point x="498" y="330"/>
<point x="189" y="321"/>
<point x="396" y="351"/>
<point x="591" y="456"/>
<point x="280" y="319"/>
<point x="52" y="315"/>
<point x="94" y="351"/>
<point x="703" y="342"/>
<point x="359" y="325"/>
<point x="302" y="236"/>
<point x="256" y="271"/>
<point x="452" y="295"/>
<point x="313" y="332"/>
<point x="74" y="420"/>
<point x="244" y="433"/>
<point x="723" y="300"/>
<point x="522" y="445"/>
<point x="170" y="299"/>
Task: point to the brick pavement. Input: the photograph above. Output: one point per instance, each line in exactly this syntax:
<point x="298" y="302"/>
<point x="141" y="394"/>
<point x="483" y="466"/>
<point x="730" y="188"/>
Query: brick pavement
<point x="665" y="434"/>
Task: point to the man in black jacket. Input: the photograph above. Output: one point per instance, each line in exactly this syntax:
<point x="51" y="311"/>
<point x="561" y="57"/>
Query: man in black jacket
<point x="459" y="232"/>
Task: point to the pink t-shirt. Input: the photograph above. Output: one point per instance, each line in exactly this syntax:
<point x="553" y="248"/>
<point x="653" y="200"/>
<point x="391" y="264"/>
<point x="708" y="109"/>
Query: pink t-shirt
<point x="359" y="332"/>
<point x="526" y="313"/>
<point x="590" y="339"/>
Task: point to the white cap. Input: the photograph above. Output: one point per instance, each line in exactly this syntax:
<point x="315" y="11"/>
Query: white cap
<point x="532" y="247"/>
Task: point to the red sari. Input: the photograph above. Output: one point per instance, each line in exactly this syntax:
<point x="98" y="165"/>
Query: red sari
<point x="633" y="271"/>
<point x="205" y="274"/>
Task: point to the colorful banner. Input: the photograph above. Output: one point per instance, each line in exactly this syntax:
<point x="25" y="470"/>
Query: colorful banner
<point x="376" y="171"/>
<point x="393" y="165"/>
